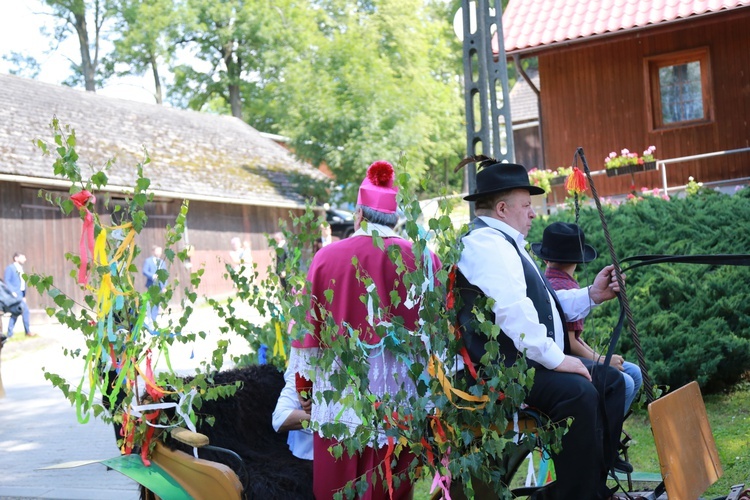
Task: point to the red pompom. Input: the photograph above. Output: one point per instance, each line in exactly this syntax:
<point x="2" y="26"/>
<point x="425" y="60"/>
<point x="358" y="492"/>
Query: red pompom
<point x="380" y="173"/>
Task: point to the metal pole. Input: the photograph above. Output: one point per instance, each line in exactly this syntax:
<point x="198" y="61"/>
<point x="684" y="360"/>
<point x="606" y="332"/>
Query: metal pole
<point x="485" y="76"/>
<point x="663" y="168"/>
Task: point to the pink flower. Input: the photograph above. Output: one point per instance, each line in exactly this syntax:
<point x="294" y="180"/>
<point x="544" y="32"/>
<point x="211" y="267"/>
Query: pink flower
<point x="613" y="155"/>
<point x="625" y="152"/>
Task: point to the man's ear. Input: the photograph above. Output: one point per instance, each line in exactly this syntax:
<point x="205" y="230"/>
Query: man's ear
<point x="500" y="209"/>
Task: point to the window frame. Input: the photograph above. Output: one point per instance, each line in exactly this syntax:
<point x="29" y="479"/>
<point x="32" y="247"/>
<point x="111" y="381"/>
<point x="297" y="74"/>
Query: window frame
<point x="653" y="64"/>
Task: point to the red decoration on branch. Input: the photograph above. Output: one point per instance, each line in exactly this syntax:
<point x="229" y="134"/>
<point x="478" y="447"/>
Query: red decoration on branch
<point x="81" y="201"/>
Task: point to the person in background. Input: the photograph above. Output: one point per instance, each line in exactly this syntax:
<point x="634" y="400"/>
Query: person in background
<point x="563" y="247"/>
<point x="236" y="252"/>
<point x="150" y="267"/>
<point x="13" y="278"/>
<point x="325" y="239"/>
<point x="332" y="269"/>
<point x="247" y="254"/>
<point x="281" y="258"/>
<point x="290" y="413"/>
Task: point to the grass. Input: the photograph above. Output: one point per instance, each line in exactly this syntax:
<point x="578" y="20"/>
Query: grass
<point x="729" y="417"/>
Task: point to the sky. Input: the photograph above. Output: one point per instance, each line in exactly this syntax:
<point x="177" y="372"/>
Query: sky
<point x="20" y="27"/>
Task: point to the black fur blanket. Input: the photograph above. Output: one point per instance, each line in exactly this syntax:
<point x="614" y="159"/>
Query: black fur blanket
<point x="243" y="425"/>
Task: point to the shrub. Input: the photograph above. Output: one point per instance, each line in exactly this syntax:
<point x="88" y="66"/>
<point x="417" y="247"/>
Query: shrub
<point x="693" y="320"/>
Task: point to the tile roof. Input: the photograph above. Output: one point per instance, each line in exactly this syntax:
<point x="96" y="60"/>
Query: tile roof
<point x="193" y="155"/>
<point x="529" y="24"/>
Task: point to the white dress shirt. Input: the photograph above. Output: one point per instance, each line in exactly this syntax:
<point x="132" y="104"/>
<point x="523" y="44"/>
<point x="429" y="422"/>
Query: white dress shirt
<point x="490" y="262"/>
<point x="300" y="442"/>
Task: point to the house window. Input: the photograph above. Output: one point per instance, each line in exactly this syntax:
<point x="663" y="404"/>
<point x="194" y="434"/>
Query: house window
<point x="680" y="88"/>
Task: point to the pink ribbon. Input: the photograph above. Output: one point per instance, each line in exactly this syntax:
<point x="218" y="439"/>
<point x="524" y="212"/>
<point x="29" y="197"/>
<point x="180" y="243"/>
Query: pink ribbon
<point x="444" y="482"/>
<point x="81" y="201"/>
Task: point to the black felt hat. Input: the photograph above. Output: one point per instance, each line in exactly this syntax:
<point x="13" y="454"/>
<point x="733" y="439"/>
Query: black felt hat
<point x="564" y="242"/>
<point x="495" y="177"/>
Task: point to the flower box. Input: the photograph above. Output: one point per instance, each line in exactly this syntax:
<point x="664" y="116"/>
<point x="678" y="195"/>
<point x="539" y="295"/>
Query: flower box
<point x="629" y="163"/>
<point x="557" y="180"/>
<point x="627" y="169"/>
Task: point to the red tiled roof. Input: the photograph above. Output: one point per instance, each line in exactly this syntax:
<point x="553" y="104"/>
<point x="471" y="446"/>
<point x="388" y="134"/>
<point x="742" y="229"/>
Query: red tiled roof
<point x="532" y="23"/>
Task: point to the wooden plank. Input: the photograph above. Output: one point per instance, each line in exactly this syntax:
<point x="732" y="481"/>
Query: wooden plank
<point x="685" y="445"/>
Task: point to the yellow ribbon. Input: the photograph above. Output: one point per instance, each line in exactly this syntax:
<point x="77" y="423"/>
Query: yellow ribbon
<point x="278" y="347"/>
<point x="435" y="369"/>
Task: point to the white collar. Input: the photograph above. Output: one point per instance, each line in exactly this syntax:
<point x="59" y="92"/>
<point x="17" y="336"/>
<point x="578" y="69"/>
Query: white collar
<point x="383" y="231"/>
<point x="510" y="231"/>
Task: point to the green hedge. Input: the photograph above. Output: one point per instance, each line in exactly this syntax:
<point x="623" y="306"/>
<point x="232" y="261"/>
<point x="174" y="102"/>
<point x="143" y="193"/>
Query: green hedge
<point x="693" y="320"/>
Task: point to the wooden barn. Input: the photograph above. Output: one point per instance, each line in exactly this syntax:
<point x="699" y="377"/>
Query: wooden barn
<point x="238" y="182"/>
<point x="629" y="74"/>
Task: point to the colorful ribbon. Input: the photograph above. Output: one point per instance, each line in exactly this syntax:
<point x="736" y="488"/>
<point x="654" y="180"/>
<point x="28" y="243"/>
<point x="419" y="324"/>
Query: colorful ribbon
<point x="435" y="369"/>
<point x="278" y="346"/>
<point x="444" y="482"/>
<point x="81" y="201"/>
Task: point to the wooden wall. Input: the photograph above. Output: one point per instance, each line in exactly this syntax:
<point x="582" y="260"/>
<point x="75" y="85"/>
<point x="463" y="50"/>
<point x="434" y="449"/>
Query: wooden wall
<point x="31" y="225"/>
<point x="594" y="96"/>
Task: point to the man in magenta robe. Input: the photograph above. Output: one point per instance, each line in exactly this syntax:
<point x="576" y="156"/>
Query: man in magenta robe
<point x="361" y="278"/>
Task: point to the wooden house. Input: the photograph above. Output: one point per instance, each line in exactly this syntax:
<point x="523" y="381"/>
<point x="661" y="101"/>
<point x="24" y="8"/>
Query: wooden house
<point x="629" y="74"/>
<point x="238" y="182"/>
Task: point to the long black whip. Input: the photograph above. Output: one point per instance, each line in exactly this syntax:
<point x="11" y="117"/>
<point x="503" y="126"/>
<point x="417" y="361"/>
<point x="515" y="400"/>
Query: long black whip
<point x="622" y="295"/>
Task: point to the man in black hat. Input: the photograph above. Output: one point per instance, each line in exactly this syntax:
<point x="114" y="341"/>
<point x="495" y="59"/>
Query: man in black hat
<point x="531" y="316"/>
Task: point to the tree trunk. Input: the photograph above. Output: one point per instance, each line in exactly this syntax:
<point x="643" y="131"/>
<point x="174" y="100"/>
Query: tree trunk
<point x="87" y="67"/>
<point x="157" y="82"/>
<point x="234" y="70"/>
<point x="235" y="101"/>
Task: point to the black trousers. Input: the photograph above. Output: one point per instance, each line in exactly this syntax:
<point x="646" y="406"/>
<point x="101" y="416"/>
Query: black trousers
<point x="590" y="446"/>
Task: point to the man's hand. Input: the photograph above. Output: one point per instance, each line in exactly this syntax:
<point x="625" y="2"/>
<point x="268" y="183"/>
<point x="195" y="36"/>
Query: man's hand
<point x="571" y="364"/>
<point x="306" y="404"/>
<point x="605" y="285"/>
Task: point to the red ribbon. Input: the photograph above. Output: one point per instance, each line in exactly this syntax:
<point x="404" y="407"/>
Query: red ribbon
<point x="151" y="388"/>
<point x="81" y="201"/>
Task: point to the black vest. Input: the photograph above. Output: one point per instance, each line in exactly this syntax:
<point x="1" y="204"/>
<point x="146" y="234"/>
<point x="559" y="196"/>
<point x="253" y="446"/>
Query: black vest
<point x="537" y="289"/>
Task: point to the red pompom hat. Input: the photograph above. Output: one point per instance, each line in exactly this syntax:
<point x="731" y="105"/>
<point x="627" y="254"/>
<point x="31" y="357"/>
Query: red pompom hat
<point x="377" y="190"/>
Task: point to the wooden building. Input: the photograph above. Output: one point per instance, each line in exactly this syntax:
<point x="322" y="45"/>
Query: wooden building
<point x="238" y="182"/>
<point x="629" y="74"/>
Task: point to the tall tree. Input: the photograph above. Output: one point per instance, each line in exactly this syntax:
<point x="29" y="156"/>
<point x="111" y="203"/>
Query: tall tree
<point x="75" y="16"/>
<point x="378" y="81"/>
<point x="147" y="29"/>
<point x="228" y="36"/>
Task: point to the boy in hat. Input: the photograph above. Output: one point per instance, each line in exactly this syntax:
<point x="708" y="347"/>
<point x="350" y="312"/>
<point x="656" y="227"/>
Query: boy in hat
<point x="563" y="247"/>
<point x="353" y="310"/>
<point x="531" y="316"/>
